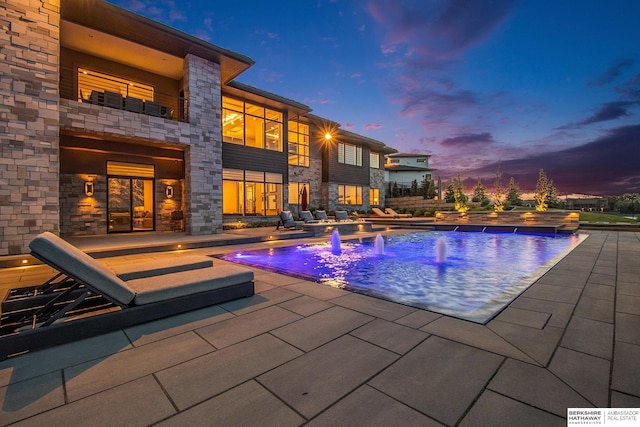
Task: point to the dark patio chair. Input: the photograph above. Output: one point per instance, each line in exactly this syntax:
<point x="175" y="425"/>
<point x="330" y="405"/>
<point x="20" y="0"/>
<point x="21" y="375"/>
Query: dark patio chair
<point x="342" y="215"/>
<point x="113" y="100"/>
<point x="152" y="108"/>
<point x="287" y="221"/>
<point x="177" y="221"/>
<point x="321" y="216"/>
<point x="307" y="217"/>
<point x="135" y="105"/>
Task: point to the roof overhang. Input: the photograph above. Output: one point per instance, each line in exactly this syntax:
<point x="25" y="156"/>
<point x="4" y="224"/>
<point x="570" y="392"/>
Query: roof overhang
<point x="102" y="29"/>
<point x="258" y="96"/>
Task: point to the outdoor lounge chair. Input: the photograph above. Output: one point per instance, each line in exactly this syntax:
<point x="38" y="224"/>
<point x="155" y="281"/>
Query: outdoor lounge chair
<point x="379" y="213"/>
<point x="396" y="214"/>
<point x="321" y="216"/>
<point x="87" y="298"/>
<point x="286" y="221"/>
<point x="342" y="215"/>
<point x="307" y="217"/>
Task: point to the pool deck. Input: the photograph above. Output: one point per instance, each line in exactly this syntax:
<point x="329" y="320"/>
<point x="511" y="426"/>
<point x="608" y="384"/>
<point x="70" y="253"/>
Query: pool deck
<point x="301" y="353"/>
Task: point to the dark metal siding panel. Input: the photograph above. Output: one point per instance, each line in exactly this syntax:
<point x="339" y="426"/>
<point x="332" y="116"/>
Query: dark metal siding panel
<point x="347" y="174"/>
<point x="255" y="159"/>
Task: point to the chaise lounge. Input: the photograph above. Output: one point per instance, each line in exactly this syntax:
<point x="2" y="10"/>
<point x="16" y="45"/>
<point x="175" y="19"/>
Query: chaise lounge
<point x="381" y="214"/>
<point x="396" y="214"/>
<point x="286" y="221"/>
<point x="87" y="298"/>
<point x="307" y="217"/>
<point x="341" y="216"/>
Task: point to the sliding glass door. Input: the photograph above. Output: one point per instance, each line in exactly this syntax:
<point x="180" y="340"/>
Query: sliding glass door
<point x="130" y="202"/>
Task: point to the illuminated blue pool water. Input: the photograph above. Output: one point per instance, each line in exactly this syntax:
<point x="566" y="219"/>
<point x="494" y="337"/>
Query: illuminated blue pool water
<point x="480" y="275"/>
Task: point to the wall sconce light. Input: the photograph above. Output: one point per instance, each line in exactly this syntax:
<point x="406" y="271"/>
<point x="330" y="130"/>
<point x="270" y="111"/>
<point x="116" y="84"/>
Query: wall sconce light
<point x="169" y="192"/>
<point x="88" y="188"/>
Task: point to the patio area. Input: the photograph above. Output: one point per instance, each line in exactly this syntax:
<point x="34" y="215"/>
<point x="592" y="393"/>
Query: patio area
<point x="300" y="353"/>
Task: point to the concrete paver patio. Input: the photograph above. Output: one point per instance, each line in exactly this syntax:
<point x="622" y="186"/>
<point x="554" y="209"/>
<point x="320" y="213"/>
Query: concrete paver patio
<point x="301" y="353"/>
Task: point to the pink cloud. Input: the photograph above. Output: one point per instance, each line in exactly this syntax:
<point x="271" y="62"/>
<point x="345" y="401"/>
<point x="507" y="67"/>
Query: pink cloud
<point x="370" y="126"/>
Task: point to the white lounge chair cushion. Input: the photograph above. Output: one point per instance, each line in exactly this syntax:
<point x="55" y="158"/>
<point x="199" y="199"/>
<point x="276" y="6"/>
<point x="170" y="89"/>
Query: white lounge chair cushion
<point x="162" y="288"/>
<point x="81" y="267"/>
<point x="157" y="267"/>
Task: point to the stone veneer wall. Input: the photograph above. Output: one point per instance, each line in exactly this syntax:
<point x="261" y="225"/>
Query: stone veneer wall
<point x="29" y="39"/>
<point x="80" y="214"/>
<point x="108" y="122"/>
<point x="376" y="179"/>
<point x="165" y="206"/>
<point x="203" y="157"/>
<point x="569" y="219"/>
<point x="312" y="175"/>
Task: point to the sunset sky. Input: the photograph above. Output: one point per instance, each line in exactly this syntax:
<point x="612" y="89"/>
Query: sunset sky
<point x="528" y="85"/>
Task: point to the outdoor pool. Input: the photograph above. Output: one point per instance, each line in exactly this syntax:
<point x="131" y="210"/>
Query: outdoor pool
<point x="472" y="276"/>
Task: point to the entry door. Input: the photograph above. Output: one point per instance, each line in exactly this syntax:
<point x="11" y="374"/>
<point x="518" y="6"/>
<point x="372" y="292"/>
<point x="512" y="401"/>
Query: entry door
<point x="130" y="204"/>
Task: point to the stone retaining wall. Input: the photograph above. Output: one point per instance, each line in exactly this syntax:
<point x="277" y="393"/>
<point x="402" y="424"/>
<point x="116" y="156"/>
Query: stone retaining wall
<point x="567" y="218"/>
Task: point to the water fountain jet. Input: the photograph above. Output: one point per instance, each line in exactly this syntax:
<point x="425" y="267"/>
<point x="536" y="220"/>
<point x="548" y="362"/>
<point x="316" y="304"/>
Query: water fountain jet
<point x="336" y="247"/>
<point x="378" y="245"/>
<point x="441" y="251"/>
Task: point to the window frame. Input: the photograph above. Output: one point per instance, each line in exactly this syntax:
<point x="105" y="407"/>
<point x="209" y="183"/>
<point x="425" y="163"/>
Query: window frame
<point x="299" y="140"/>
<point x="343" y="194"/>
<point x="344" y="156"/>
<point x="259" y="132"/>
<point x="268" y="186"/>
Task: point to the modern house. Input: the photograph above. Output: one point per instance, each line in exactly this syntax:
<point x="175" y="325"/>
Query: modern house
<point x="404" y="168"/>
<point x="112" y="122"/>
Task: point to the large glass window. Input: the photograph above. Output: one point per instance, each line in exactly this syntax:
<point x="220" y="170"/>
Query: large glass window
<point x="349" y="195"/>
<point x="374" y="160"/>
<point x="349" y="154"/>
<point x="295" y="192"/>
<point x="247" y="192"/>
<point x="251" y="125"/>
<point x="232" y="121"/>
<point x="298" y="143"/>
<point x="374" y="197"/>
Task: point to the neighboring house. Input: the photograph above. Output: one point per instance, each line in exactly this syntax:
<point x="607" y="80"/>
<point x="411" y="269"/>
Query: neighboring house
<point x="352" y="176"/>
<point x="404" y="168"/>
<point x="112" y="121"/>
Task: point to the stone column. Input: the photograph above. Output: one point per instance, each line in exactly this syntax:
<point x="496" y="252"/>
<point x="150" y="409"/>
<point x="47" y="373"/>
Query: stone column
<point x="29" y="121"/>
<point x="203" y="156"/>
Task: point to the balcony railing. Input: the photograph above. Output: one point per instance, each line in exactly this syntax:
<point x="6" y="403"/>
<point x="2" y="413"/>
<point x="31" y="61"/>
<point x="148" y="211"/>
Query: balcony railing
<point x="113" y="92"/>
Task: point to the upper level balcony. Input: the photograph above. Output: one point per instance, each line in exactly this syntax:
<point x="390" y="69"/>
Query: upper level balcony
<point x="88" y="85"/>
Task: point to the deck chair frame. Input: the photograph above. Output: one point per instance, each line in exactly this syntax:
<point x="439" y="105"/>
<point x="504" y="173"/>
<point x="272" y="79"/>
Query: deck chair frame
<point x="41" y="320"/>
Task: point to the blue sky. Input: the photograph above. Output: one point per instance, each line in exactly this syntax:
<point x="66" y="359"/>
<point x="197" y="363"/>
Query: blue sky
<point x="528" y="85"/>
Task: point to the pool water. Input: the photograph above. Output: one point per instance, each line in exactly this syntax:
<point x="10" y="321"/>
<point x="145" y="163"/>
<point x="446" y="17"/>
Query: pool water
<point x="472" y="276"/>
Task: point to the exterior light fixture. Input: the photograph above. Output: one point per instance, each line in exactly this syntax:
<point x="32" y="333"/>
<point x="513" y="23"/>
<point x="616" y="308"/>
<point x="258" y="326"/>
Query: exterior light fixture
<point x="328" y="136"/>
<point x="169" y="192"/>
<point x="88" y="188"/>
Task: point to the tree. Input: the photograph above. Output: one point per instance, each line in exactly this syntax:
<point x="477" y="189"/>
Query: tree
<point x="460" y="199"/>
<point x="498" y="205"/>
<point x="479" y="192"/>
<point x="395" y="191"/>
<point x="414" y="188"/>
<point x="545" y="193"/>
<point x="428" y="188"/>
<point x="513" y="195"/>
<point x="449" y="196"/>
